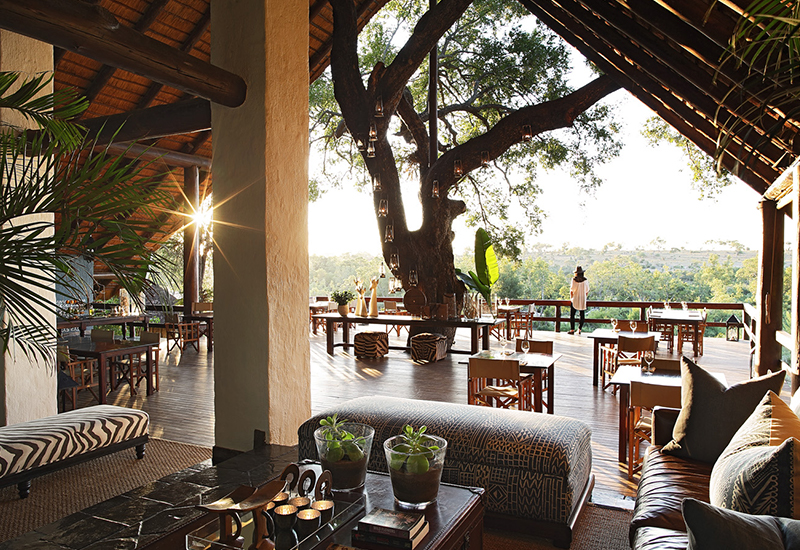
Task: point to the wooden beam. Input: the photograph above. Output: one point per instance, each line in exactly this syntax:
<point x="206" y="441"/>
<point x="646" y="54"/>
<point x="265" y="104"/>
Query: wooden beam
<point x="769" y="290"/>
<point x="668" y="106"/>
<point x="664" y="76"/>
<point x="94" y="32"/>
<point x="183" y="117"/>
<point x="106" y="72"/>
<point x="167" y="156"/>
<point x="187" y="45"/>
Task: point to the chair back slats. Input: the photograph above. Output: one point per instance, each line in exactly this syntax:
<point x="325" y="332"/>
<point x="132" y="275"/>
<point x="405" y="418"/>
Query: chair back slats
<point x="647" y="395"/>
<point x="493" y="368"/>
<point x="627" y="344"/>
<point x="100" y="335"/>
<point x="537" y="346"/>
<point x="202" y="306"/>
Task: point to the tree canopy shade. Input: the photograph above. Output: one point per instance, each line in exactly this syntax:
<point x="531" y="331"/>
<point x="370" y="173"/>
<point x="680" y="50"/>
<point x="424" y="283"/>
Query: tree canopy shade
<point x="503" y="93"/>
<point x="90" y="192"/>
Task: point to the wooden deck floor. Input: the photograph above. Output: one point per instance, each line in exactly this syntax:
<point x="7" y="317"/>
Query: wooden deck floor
<point x="183" y="409"/>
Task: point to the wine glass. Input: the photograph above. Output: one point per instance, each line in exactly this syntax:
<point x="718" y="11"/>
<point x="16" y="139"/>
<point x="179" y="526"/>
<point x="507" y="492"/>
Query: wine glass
<point x="684" y="306"/>
<point x="632" y="325"/>
<point x="649" y="357"/>
<point x="613" y="324"/>
<point x="503" y="344"/>
<point x="525" y="346"/>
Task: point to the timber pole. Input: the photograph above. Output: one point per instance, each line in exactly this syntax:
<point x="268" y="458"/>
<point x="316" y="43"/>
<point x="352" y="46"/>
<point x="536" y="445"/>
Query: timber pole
<point x="191" y="254"/>
<point x="795" y="368"/>
<point x="769" y="290"/>
<point x="433" y="102"/>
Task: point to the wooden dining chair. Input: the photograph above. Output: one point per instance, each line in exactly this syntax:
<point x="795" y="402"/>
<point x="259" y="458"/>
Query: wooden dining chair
<point x="667" y="332"/>
<point x="628" y="351"/>
<point x="101" y="335"/>
<point x="498" y="383"/>
<point x="644" y="396"/>
<point x="202" y="307"/>
<point x="139" y="372"/>
<point x="182" y="334"/>
<point x="686" y="336"/>
<point x="536" y="346"/>
<point x="84" y="372"/>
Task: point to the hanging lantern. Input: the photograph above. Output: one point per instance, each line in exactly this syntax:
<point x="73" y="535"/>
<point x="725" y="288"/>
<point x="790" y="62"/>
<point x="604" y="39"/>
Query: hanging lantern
<point x="394" y="261"/>
<point x="379" y="107"/>
<point x="360" y="144"/>
<point x="484" y="158"/>
<point x="389" y="233"/>
<point x="435" y="189"/>
<point x="383" y="209"/>
<point x="392" y="283"/>
<point x="373" y="132"/>
<point x="527" y="134"/>
<point x="382" y="272"/>
<point x="371" y="150"/>
<point x="376" y="182"/>
<point x="413" y="278"/>
<point x="732" y="329"/>
<point x="458" y="171"/>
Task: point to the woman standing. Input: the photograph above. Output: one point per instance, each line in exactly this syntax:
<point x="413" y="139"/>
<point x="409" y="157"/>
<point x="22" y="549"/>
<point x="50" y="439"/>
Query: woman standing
<point x="578" y="291"/>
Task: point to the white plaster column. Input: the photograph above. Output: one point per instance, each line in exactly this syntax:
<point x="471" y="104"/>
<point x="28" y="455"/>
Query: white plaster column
<point x="260" y="178"/>
<point x="27" y="388"/>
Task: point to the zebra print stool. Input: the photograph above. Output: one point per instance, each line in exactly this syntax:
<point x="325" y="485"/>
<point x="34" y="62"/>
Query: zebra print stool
<point x="371" y="343"/>
<point x="33" y="448"/>
<point x="428" y="347"/>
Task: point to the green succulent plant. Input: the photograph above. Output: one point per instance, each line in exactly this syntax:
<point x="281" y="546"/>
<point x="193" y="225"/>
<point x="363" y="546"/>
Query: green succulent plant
<point x="341" y="444"/>
<point x="413" y="454"/>
<point x="342" y="297"/>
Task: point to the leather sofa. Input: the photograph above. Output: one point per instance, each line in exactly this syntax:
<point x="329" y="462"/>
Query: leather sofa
<point x="666" y="480"/>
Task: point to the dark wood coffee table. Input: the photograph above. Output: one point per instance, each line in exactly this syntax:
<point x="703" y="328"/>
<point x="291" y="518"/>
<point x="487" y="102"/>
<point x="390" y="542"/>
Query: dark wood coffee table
<point x="456" y="519"/>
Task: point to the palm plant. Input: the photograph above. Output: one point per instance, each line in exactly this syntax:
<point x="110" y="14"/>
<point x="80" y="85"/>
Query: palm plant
<point x="766" y="42"/>
<point x="92" y="194"/>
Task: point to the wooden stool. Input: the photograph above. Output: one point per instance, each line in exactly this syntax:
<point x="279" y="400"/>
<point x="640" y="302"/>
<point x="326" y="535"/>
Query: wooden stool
<point x="428" y="347"/>
<point x="371" y="344"/>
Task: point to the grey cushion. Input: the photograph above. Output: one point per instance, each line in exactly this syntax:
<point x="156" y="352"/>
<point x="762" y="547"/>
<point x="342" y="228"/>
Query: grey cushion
<point x="711" y="413"/>
<point x="532" y="465"/>
<point x="712" y="528"/>
<point x="759" y="471"/>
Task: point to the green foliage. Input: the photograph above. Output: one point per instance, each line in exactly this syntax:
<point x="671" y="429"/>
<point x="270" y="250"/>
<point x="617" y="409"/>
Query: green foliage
<point x="341" y="444"/>
<point x="485" y="266"/>
<point x="92" y="194"/>
<point x="413" y="455"/>
<point x="705" y="177"/>
<point x="342" y="297"/>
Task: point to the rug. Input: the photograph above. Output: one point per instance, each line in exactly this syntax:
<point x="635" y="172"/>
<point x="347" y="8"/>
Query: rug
<point x="598" y="527"/>
<point x="67" y="491"/>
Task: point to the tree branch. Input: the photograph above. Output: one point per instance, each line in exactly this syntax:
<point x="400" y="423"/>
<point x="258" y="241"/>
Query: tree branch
<point x="347" y="85"/>
<point x="543" y="117"/>
<point x="415" y="125"/>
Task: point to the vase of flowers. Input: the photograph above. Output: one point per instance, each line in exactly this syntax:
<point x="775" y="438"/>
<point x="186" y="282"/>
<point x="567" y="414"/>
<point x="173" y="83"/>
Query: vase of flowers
<point x="342" y="299"/>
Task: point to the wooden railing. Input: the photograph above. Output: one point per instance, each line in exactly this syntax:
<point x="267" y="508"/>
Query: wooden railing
<point x="562" y="310"/>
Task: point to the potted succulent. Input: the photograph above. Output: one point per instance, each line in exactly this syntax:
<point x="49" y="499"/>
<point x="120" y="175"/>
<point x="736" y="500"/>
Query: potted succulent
<point x="343" y="448"/>
<point x="415" y="461"/>
<point x="342" y="298"/>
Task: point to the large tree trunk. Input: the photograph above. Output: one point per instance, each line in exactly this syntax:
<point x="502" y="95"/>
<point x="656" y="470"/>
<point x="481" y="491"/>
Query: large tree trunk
<point x="429" y="249"/>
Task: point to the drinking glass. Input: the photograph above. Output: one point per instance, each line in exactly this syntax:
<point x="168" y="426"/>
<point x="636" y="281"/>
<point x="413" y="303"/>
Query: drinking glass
<point x="614" y="324"/>
<point x="649" y="357"/>
<point x="503" y="344"/>
<point x="684" y="306"/>
<point x="525" y="346"/>
<point x="633" y="326"/>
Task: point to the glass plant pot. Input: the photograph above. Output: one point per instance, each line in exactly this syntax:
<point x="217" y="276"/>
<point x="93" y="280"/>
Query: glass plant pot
<point x="415" y="476"/>
<point x="346" y="457"/>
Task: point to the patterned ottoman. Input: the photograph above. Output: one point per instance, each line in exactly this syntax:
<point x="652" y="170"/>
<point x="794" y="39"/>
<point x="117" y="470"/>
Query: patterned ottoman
<point x="536" y="468"/>
<point x="371" y="343"/>
<point x="428" y="347"/>
<point x="30" y="449"/>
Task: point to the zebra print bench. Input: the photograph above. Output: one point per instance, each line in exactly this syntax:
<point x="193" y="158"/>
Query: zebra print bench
<point x="34" y="448"/>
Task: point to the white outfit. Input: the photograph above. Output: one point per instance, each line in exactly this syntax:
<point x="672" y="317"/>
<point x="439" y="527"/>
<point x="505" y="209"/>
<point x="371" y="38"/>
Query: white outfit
<point x="579" y="291"/>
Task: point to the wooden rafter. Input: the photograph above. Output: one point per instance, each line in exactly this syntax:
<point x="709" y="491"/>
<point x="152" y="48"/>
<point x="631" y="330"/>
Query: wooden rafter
<point x="92" y="31"/>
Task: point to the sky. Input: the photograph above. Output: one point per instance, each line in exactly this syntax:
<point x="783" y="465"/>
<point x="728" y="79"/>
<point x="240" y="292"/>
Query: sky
<point x="646" y="195"/>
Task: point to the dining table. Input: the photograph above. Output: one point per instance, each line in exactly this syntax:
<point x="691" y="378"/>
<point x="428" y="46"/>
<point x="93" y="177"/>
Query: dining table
<point x="603" y="336"/>
<point x="105" y="352"/>
<point x="82" y="322"/>
<point x="687" y="317"/>
<point x="537" y="364"/>
<point x="622" y="379"/>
